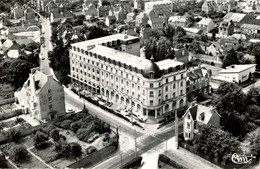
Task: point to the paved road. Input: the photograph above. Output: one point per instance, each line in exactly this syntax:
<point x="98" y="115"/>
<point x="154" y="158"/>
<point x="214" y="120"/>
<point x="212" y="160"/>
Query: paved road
<point x="45" y="47"/>
<point x="144" y="144"/>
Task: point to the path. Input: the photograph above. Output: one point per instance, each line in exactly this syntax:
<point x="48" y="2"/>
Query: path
<point x="29" y="150"/>
<point x="188" y="159"/>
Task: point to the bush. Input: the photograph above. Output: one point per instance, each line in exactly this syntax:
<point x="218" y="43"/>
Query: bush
<point x="83" y="133"/>
<point x="18" y="153"/>
<point x="13" y="135"/>
<point x="75" y="126"/>
<point x="75" y="149"/>
<point x="40" y="139"/>
<point x="55" y="134"/>
<point x="47" y="129"/>
<point x="64" y="124"/>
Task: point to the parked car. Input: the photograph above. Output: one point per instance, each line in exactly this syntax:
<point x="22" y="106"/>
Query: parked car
<point x="91" y="149"/>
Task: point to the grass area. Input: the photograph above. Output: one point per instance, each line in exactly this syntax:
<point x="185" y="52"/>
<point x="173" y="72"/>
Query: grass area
<point x="32" y="162"/>
<point x="6" y="90"/>
<point x="48" y="154"/>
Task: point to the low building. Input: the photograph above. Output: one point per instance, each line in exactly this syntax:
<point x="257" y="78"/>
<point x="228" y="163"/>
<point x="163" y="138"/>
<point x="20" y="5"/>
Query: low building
<point x="90" y="9"/>
<point x="41" y="96"/>
<point x="17" y="11"/>
<point x="181" y="55"/>
<point x="250" y="29"/>
<point x="237" y="73"/>
<point x="197" y="83"/>
<point x="226" y="28"/>
<point x="214" y="49"/>
<point x="177" y="21"/>
<point x="198" y="115"/>
<point x="209" y="7"/>
<point x="110" y="20"/>
<point x="206" y="25"/>
<point x="155" y="21"/>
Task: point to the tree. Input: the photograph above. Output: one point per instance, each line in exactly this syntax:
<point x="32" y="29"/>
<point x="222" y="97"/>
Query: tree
<point x="195" y="47"/>
<point x="55" y="134"/>
<point x="253" y="97"/>
<point x="156" y="33"/>
<point x="230" y="58"/>
<point x="160" y="48"/>
<point x="215" y="142"/>
<point x="40" y="139"/>
<point x="17" y="71"/>
<point x="18" y="153"/>
<point x="231" y="98"/>
<point x="3" y="161"/>
<point x="75" y="149"/>
<point x="105" y="3"/>
<point x="256" y="52"/>
<point x="13" y="135"/>
<point x="253" y="112"/>
<point x="169" y="31"/>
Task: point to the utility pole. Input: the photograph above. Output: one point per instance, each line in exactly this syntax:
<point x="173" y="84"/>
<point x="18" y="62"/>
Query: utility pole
<point x="176" y="146"/>
<point x="166" y="147"/>
<point x="135" y="145"/>
<point x="121" y="160"/>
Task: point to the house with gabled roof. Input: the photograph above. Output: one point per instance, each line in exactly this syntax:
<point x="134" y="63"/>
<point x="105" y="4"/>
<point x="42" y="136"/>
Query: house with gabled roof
<point x="206" y="25"/>
<point x="110" y="20"/>
<point x="41" y="96"/>
<point x="226" y="28"/>
<point x="198" y="115"/>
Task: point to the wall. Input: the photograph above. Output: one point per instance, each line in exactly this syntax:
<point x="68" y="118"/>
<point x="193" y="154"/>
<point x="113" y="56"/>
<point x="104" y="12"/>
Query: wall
<point x="93" y="158"/>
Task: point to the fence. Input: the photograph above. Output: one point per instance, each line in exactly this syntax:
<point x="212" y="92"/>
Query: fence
<point x="93" y="158"/>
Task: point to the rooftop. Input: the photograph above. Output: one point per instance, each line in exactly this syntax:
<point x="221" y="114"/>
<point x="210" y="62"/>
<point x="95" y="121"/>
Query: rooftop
<point x="159" y="2"/>
<point x="204" y="21"/>
<point x="104" y="39"/>
<point x="237" y="68"/>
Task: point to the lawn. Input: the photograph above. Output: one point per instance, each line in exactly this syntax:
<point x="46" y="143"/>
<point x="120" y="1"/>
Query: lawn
<point x="48" y="154"/>
<point x="6" y="90"/>
<point x="32" y="162"/>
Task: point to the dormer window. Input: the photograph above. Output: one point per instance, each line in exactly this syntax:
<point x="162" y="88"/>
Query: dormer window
<point x="151" y="75"/>
<point x="202" y="116"/>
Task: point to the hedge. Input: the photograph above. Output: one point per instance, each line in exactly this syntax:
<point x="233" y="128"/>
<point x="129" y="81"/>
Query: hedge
<point x="163" y="158"/>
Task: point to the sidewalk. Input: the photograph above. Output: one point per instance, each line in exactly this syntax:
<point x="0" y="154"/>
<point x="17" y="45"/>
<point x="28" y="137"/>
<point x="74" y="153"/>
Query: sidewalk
<point x="188" y="159"/>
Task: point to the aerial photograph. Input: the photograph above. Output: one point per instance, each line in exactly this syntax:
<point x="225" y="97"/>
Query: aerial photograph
<point x="120" y="84"/>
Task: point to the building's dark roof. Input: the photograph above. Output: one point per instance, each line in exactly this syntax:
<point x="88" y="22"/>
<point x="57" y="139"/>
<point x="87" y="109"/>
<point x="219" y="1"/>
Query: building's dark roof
<point x="152" y="67"/>
<point x="193" y="112"/>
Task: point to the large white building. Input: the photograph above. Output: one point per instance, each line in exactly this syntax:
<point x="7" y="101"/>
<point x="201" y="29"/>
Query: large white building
<point x="112" y="67"/>
<point x="159" y="7"/>
<point x="237" y="73"/>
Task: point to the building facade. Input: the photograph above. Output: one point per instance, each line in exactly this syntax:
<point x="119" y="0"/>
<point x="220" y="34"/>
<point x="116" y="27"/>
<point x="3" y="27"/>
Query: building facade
<point x="197" y="83"/>
<point x="41" y="96"/>
<point x="159" y="7"/>
<point x="198" y="115"/>
<point x="226" y="28"/>
<point x="112" y="67"/>
<point x="237" y="73"/>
